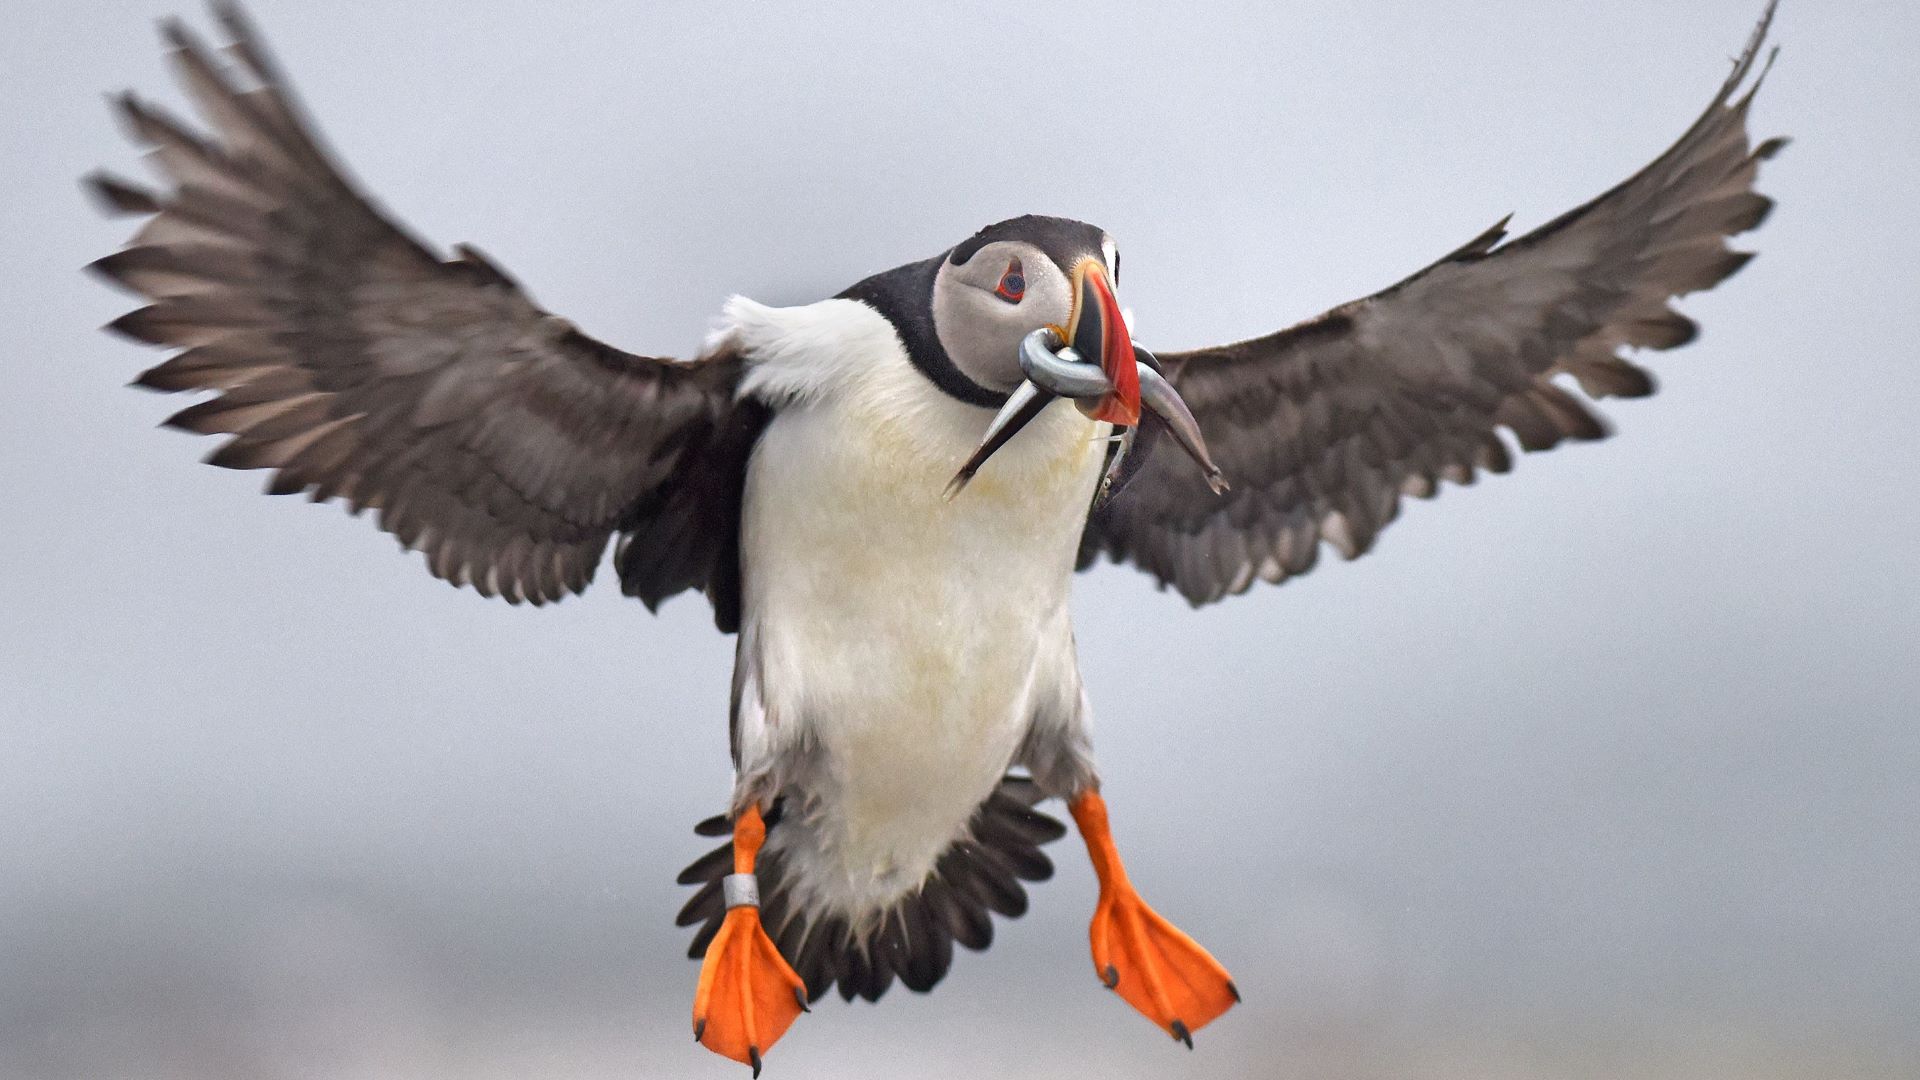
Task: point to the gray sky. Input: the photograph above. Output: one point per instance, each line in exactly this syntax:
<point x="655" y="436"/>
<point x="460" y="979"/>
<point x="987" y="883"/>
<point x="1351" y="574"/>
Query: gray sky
<point x="1602" y="768"/>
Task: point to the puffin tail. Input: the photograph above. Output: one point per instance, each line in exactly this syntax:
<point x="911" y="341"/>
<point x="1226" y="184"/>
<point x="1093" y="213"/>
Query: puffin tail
<point x="979" y="875"/>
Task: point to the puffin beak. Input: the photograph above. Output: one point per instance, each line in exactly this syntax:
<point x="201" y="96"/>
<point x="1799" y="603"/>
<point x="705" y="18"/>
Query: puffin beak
<point x="1097" y="332"/>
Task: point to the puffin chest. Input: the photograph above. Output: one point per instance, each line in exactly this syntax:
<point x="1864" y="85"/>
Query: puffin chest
<point x="898" y="629"/>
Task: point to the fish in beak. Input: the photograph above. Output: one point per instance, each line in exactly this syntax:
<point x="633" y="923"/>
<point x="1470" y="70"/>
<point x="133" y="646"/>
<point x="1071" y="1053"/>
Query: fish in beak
<point x="1061" y="362"/>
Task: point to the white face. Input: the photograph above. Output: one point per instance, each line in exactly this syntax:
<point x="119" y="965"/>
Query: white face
<point x="982" y="308"/>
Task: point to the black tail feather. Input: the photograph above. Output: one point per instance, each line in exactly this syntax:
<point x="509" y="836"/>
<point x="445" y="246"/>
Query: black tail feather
<point x="979" y="875"/>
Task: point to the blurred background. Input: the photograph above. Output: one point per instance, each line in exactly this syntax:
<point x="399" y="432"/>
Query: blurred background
<point x="1602" y="769"/>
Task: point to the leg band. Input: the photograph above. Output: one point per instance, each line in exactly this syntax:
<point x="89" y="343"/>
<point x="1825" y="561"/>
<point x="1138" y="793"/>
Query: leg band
<point x="740" y="890"/>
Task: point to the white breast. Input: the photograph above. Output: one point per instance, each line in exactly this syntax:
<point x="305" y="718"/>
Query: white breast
<point x="899" y="637"/>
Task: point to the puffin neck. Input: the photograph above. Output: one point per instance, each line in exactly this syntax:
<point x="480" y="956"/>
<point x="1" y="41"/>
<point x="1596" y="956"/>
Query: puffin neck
<point x="904" y="297"/>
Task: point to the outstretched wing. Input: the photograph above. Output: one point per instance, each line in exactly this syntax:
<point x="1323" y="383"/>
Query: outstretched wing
<point x="488" y="434"/>
<point x="1323" y="427"/>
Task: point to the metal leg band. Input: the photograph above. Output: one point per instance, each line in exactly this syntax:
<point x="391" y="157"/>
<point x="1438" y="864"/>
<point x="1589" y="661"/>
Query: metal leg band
<point x="740" y="890"/>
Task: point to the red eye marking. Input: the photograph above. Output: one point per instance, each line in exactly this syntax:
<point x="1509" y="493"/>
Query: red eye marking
<point x="1013" y="284"/>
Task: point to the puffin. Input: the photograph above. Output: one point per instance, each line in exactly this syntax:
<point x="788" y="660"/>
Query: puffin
<point x="884" y="495"/>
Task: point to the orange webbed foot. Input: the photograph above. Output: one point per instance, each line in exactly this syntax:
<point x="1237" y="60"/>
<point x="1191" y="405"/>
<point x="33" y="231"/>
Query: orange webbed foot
<point x="1139" y="955"/>
<point x="1156" y="968"/>
<point x="748" y="994"/>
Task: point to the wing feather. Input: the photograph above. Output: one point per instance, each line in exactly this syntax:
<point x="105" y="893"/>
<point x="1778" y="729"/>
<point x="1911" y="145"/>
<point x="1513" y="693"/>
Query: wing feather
<point x="343" y="354"/>
<point x="1323" y="428"/>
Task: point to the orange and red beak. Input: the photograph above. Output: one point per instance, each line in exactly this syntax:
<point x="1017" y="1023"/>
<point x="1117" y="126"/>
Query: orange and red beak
<point x="1098" y="332"/>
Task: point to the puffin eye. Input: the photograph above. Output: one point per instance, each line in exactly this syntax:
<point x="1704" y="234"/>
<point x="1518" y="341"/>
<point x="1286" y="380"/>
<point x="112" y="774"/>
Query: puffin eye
<point x="1013" y="283"/>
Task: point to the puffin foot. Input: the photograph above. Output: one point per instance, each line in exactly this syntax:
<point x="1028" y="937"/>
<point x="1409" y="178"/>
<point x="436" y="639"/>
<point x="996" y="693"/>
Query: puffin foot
<point x="1139" y="955"/>
<point x="748" y="994"/>
<point x="1157" y="969"/>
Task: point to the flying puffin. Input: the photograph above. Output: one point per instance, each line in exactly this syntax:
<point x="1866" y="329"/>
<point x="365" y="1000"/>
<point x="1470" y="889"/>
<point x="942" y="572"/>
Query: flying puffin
<point x="884" y="494"/>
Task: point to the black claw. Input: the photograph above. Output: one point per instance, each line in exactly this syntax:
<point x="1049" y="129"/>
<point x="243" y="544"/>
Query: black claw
<point x="1181" y="1033"/>
<point x="1111" y="977"/>
<point x="1234" y="990"/>
<point x="800" y="998"/>
<point x="753" y="1058"/>
<point x="699" y="1029"/>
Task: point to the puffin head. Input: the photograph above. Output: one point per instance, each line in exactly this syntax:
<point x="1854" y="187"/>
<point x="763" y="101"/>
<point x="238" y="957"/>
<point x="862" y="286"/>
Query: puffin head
<point x="1026" y="274"/>
<point x="1024" y="311"/>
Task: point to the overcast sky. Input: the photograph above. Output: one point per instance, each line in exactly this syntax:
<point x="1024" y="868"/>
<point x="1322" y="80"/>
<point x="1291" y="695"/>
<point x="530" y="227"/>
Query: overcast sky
<point x="1605" y="768"/>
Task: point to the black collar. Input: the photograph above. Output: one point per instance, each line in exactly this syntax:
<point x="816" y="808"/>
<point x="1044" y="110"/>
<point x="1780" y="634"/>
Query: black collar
<point x="904" y="297"/>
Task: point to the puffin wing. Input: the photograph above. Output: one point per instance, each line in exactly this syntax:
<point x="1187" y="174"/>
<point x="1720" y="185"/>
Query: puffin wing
<point x="495" y="438"/>
<point x="1322" y="428"/>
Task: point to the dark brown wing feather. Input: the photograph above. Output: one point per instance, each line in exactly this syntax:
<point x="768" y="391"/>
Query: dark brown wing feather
<point x="493" y="437"/>
<point x="1323" y="427"/>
